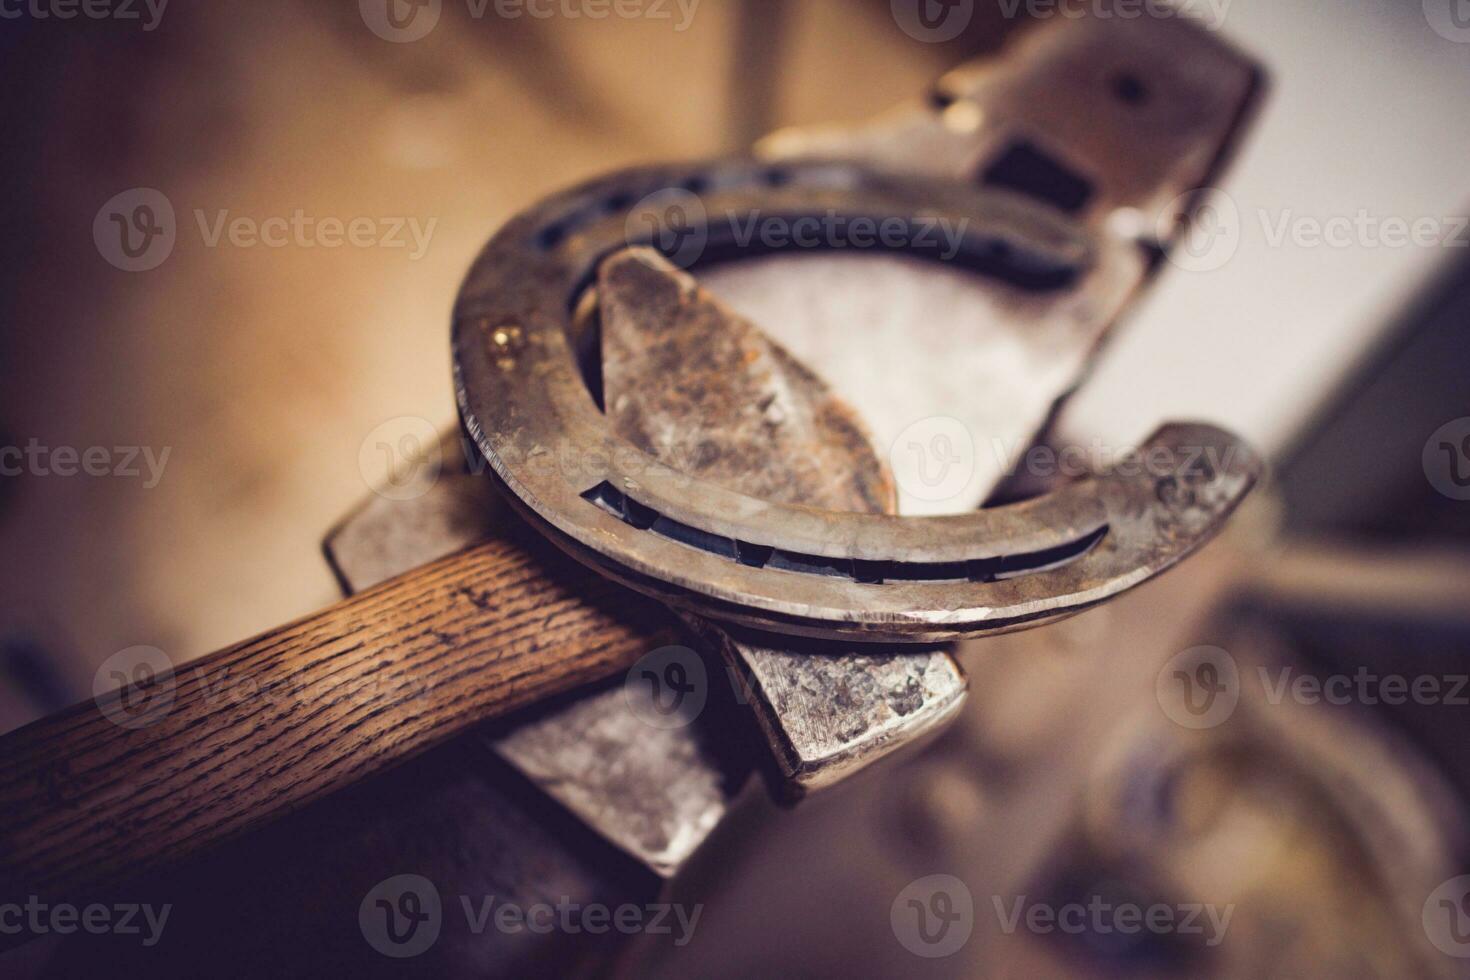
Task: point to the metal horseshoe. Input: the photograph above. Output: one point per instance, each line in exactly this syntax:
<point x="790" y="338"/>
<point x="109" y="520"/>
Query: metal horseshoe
<point x="520" y="348"/>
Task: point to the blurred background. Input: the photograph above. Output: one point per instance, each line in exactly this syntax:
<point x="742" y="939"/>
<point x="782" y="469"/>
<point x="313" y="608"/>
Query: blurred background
<point x="243" y="383"/>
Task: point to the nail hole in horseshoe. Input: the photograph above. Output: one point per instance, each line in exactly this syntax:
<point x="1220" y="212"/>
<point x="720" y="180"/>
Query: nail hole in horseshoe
<point x="608" y="498"/>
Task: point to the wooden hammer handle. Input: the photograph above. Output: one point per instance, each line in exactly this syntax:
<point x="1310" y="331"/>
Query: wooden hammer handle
<point x="261" y="728"/>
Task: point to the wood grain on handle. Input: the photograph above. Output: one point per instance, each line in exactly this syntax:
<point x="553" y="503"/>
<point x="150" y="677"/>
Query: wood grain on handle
<point x="270" y="724"/>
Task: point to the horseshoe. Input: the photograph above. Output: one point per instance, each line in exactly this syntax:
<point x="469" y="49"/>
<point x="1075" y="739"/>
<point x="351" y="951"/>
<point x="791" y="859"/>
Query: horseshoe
<point x="522" y="336"/>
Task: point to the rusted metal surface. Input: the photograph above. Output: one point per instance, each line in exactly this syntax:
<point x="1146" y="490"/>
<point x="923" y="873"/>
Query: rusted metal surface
<point x="705" y="391"/>
<point x="680" y="370"/>
<point x="829" y="709"/>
